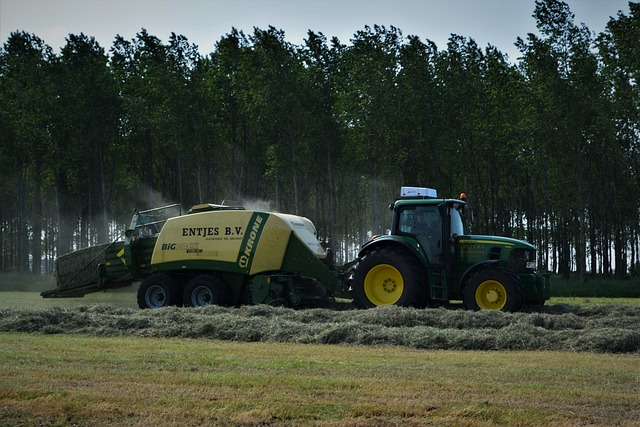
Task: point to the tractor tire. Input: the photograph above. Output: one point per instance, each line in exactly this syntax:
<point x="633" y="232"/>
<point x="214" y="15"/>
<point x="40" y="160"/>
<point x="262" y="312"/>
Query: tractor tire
<point x="159" y="290"/>
<point x="204" y="290"/>
<point x="388" y="276"/>
<point x="494" y="289"/>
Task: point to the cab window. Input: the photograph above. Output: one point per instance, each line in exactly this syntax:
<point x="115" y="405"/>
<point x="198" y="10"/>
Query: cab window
<point x="425" y="223"/>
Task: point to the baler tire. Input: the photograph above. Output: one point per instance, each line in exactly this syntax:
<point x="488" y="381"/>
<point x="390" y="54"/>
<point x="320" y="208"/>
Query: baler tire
<point x="204" y="290"/>
<point x="494" y="289"/>
<point x="388" y="276"/>
<point x="158" y="290"/>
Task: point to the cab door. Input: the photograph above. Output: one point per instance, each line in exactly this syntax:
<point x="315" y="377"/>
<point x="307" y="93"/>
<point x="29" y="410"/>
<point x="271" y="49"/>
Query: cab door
<point x="425" y="223"/>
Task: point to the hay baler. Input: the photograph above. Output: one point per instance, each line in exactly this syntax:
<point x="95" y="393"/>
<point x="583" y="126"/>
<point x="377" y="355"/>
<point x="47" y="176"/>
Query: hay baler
<point x="215" y="254"/>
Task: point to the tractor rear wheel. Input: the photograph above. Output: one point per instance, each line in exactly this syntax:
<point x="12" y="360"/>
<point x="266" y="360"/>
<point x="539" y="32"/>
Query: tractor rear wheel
<point x="159" y="290"/>
<point x="388" y="276"/>
<point x="204" y="290"/>
<point x="494" y="289"/>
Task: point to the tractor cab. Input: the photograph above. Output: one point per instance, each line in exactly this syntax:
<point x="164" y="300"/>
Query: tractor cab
<point x="434" y="223"/>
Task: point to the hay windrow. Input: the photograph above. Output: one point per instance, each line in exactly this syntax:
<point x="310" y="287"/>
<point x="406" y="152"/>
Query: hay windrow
<point x="605" y="328"/>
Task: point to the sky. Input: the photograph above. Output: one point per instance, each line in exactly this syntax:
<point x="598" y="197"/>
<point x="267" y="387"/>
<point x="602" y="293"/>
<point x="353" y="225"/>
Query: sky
<point x="204" y="22"/>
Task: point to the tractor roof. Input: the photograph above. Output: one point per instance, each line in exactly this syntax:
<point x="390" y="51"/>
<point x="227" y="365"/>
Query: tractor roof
<point x="423" y="196"/>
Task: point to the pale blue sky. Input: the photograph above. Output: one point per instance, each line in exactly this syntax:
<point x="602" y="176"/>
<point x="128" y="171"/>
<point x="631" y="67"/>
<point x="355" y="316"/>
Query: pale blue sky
<point x="203" y="22"/>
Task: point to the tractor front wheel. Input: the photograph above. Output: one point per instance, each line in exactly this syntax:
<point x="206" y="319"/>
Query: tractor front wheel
<point x="494" y="289"/>
<point x="388" y="276"/>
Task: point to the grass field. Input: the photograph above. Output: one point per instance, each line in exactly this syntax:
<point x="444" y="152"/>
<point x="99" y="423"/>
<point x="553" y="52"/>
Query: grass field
<point x="117" y="298"/>
<point x="87" y="381"/>
<point x="99" y="360"/>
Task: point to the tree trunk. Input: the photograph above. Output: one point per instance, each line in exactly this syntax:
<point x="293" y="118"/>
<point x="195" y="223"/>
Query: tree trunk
<point x="37" y="223"/>
<point x="331" y="190"/>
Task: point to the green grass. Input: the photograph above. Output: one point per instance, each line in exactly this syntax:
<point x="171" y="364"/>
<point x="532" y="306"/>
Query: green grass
<point x="117" y="298"/>
<point x="127" y="298"/>
<point x="80" y="380"/>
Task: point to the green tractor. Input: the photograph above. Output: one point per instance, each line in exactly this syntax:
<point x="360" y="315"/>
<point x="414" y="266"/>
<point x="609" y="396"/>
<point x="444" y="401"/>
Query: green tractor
<point x="427" y="258"/>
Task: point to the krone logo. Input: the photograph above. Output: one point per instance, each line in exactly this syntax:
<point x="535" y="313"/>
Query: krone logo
<point x="244" y="260"/>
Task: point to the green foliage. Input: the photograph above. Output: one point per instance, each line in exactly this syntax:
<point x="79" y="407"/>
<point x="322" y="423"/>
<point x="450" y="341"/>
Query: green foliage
<point x="600" y="287"/>
<point x="546" y="147"/>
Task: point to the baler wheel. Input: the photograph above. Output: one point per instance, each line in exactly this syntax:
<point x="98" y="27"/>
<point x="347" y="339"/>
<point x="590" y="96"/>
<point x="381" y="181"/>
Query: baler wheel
<point x="204" y="290"/>
<point x="157" y="291"/>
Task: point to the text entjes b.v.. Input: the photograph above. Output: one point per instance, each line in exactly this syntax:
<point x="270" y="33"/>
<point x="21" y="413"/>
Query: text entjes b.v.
<point x="211" y="231"/>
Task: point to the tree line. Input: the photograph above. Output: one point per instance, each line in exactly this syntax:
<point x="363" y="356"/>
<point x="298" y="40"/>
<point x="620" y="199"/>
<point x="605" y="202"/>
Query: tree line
<point x="546" y="146"/>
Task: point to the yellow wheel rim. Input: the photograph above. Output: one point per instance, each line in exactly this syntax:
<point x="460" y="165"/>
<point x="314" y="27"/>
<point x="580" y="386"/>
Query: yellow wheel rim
<point x="491" y="295"/>
<point x="383" y="285"/>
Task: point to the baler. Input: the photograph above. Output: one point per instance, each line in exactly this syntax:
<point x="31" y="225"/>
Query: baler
<point x="215" y="254"/>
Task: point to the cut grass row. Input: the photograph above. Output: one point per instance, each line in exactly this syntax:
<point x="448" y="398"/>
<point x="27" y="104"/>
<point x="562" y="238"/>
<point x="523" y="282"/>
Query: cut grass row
<point x="81" y="380"/>
<point x="604" y="328"/>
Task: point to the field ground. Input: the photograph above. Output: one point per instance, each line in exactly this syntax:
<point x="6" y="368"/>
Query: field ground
<point x="49" y="380"/>
<point x="99" y="360"/>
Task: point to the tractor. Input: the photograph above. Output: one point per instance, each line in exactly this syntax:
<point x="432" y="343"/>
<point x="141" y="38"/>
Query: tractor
<point x="427" y="258"/>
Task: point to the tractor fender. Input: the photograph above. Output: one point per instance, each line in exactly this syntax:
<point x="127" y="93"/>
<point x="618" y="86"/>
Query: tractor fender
<point x="472" y="270"/>
<point x="393" y="242"/>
